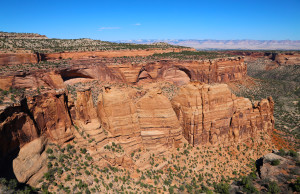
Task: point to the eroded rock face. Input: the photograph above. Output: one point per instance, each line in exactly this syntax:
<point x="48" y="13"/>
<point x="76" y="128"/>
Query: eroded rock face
<point x="118" y="116"/>
<point x="287" y="58"/>
<point x="17" y="58"/>
<point x="200" y="114"/>
<point x="16" y="129"/>
<point x="31" y="80"/>
<point x="30" y="165"/>
<point x="182" y="72"/>
<point x="175" y="71"/>
<point x="46" y="114"/>
<point x="211" y="114"/>
<point x="51" y="115"/>
<point x="158" y="122"/>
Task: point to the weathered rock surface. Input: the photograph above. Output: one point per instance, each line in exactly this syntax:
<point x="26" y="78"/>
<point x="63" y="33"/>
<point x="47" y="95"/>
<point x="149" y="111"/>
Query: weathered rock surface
<point x="287" y="58"/>
<point x="22" y="58"/>
<point x="30" y="165"/>
<point x="178" y="72"/>
<point x="51" y="115"/>
<point x="16" y="129"/>
<point x="200" y="114"/>
<point x="31" y="80"/>
<point x="158" y="122"/>
<point x="211" y="114"/>
<point x="118" y="115"/>
<point x="17" y="58"/>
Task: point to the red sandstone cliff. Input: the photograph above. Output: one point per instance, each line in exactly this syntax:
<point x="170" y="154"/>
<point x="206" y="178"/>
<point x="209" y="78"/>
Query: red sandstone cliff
<point x="22" y="58"/>
<point x="211" y="114"/>
<point x="200" y="113"/>
<point x="178" y="72"/>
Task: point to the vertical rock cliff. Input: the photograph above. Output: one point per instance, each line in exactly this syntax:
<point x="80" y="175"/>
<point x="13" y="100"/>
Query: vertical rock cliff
<point x="211" y="114"/>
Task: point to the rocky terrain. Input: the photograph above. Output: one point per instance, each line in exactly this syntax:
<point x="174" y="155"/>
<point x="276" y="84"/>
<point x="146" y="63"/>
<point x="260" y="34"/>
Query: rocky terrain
<point x="133" y="121"/>
<point x="279" y="79"/>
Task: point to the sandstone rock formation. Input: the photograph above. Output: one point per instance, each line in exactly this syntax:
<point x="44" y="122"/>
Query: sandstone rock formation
<point x="118" y="115"/>
<point x="178" y="72"/>
<point x="287" y="58"/>
<point x="51" y="115"/>
<point x="11" y="58"/>
<point x="31" y="163"/>
<point x="211" y="114"/>
<point x="200" y="114"/>
<point x="17" y="58"/>
<point x="31" y="80"/>
<point x="158" y="122"/>
<point x="46" y="114"/>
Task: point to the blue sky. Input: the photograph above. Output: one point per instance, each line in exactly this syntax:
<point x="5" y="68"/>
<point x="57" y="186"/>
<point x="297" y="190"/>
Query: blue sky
<point x="152" y="19"/>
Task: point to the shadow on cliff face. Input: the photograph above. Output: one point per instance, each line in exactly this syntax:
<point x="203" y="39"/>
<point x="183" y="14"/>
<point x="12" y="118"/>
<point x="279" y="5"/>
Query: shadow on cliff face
<point x="18" y="127"/>
<point x="73" y="74"/>
<point x="7" y="172"/>
<point x="6" y="165"/>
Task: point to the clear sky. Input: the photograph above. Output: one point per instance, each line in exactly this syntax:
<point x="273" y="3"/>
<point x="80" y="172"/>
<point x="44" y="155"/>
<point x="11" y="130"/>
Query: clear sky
<point x="154" y="19"/>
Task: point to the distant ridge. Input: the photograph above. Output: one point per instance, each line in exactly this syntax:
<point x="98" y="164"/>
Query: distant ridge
<point x="226" y="44"/>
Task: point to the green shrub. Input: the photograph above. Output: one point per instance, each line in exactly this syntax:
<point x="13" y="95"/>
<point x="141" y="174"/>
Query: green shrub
<point x="281" y="152"/>
<point x="296" y="185"/>
<point x="293" y="153"/>
<point x="49" y="151"/>
<point x="275" y="162"/>
<point x="12" y="184"/>
<point x="222" y="188"/>
<point x="247" y="184"/>
<point x="273" y="187"/>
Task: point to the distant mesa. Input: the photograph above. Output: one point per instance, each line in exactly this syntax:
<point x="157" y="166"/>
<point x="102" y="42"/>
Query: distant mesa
<point x="226" y="44"/>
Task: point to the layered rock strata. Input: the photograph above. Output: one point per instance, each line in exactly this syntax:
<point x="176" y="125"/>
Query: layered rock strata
<point x="22" y="58"/>
<point x="200" y="114"/>
<point x="178" y="72"/>
<point x="211" y="114"/>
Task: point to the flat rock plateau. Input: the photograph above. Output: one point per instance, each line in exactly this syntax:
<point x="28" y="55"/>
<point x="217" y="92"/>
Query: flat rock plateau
<point x="84" y="115"/>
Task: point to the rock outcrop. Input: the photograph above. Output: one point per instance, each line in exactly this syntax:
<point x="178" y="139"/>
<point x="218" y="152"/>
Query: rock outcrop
<point x="31" y="80"/>
<point x="178" y="72"/>
<point x="200" y="114"/>
<point x="11" y="58"/>
<point x="287" y="58"/>
<point x="17" y="58"/>
<point x="158" y="123"/>
<point x="31" y="164"/>
<point x="118" y="115"/>
<point x="50" y="113"/>
<point x="211" y="114"/>
<point x="42" y="115"/>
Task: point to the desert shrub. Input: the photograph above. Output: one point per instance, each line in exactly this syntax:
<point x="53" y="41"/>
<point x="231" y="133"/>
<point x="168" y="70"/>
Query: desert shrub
<point x="12" y="184"/>
<point x="273" y="187"/>
<point x="296" y="185"/>
<point x="49" y="151"/>
<point x="293" y="153"/>
<point x="222" y="188"/>
<point x="275" y="162"/>
<point x="247" y="184"/>
<point x="281" y="152"/>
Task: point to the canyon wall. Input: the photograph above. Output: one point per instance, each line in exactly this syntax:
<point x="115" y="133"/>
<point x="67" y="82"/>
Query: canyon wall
<point x="178" y="72"/>
<point x="287" y="58"/>
<point x="22" y="58"/>
<point x="211" y="114"/>
<point x="200" y="114"/>
<point x="17" y="58"/>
